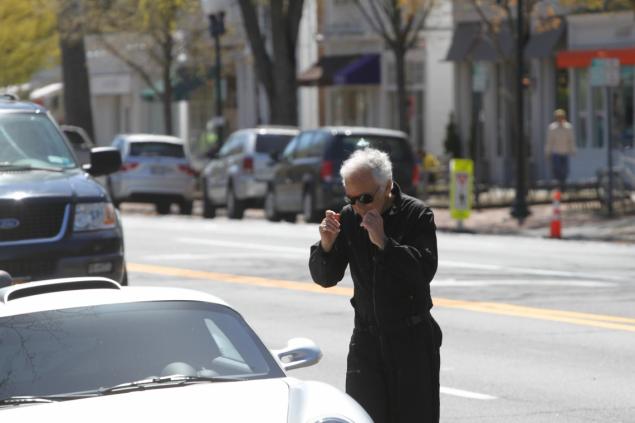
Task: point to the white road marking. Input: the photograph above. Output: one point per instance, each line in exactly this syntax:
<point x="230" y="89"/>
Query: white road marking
<point x="513" y="282"/>
<point x="246" y="245"/>
<point x="466" y="394"/>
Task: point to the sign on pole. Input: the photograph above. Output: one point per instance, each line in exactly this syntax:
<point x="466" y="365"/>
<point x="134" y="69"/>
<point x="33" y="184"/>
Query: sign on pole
<point x="461" y="186"/>
<point x="605" y="72"/>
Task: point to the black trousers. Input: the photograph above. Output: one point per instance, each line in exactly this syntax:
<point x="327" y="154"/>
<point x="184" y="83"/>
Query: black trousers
<point x="395" y="376"/>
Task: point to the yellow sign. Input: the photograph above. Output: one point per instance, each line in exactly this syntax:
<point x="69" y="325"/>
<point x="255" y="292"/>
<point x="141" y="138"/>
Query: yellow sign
<point x="461" y="183"/>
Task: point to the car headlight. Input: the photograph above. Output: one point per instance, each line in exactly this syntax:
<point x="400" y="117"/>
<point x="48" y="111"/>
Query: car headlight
<point x="94" y="216"/>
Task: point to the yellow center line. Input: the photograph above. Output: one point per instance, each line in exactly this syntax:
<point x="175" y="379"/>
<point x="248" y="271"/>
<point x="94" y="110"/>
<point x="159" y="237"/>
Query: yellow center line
<point x="583" y="319"/>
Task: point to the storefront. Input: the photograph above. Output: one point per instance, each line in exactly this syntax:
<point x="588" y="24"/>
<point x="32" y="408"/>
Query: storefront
<point x="600" y="36"/>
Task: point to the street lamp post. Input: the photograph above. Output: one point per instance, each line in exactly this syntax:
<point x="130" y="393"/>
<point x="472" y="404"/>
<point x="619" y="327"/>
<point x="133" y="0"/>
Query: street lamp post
<point x="519" y="208"/>
<point x="216" y="29"/>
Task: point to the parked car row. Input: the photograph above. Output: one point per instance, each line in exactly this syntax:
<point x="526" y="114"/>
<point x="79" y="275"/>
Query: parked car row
<point x="290" y="172"/>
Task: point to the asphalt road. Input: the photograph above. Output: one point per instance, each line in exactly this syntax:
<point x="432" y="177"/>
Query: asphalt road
<point x="535" y="330"/>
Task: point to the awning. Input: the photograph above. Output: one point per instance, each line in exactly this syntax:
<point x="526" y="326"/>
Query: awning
<point x="46" y="91"/>
<point x="545" y="43"/>
<point x="356" y="69"/>
<point x="494" y="47"/>
<point x="463" y="39"/>
<point x="183" y="84"/>
<point x="583" y="58"/>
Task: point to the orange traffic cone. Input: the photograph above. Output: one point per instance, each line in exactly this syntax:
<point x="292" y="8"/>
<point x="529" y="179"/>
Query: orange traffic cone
<point x="556" y="227"/>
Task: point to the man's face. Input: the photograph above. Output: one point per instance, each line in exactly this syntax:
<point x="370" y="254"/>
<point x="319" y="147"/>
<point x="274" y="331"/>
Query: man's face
<point x="362" y="184"/>
<point x="560" y="118"/>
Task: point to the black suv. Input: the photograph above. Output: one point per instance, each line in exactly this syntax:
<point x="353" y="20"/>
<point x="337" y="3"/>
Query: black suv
<point x="55" y="220"/>
<point x="306" y="178"/>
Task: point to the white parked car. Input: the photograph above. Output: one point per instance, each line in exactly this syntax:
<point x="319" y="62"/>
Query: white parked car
<point x="155" y="169"/>
<point x="88" y="349"/>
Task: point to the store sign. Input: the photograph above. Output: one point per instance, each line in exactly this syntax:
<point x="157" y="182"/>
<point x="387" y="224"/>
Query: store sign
<point x="605" y="72"/>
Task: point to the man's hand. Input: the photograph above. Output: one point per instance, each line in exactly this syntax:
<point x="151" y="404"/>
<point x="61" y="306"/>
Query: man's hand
<point x="329" y="230"/>
<point x="374" y="224"/>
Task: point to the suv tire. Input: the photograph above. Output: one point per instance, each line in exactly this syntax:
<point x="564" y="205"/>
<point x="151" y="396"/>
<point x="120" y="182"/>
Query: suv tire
<point x="209" y="211"/>
<point x="163" y="207"/>
<point x="271" y="213"/>
<point x="309" y="212"/>
<point x="235" y="207"/>
<point x="185" y="207"/>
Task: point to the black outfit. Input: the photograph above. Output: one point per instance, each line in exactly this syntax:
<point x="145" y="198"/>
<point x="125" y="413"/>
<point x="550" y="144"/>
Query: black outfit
<point x="393" y="360"/>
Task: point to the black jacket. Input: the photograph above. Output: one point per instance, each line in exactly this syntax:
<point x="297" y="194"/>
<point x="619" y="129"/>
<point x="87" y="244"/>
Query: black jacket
<point x="390" y="286"/>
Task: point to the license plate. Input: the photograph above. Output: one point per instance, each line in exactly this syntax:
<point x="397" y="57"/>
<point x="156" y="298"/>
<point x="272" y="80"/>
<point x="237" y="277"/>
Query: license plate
<point x="159" y="170"/>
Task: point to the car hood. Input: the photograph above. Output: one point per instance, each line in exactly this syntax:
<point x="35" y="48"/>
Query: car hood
<point x="227" y="402"/>
<point x="45" y="184"/>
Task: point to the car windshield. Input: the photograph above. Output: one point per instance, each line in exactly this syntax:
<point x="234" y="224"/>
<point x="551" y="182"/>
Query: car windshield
<point x="153" y="148"/>
<point x="88" y="348"/>
<point x="32" y="140"/>
<point x="397" y="148"/>
<point x="269" y="143"/>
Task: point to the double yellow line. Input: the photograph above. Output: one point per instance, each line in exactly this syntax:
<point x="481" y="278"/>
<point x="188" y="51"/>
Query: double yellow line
<point x="583" y="319"/>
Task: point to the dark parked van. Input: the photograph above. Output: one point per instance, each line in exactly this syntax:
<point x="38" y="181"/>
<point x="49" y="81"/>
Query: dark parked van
<point x="306" y="178"/>
<point x="55" y="220"/>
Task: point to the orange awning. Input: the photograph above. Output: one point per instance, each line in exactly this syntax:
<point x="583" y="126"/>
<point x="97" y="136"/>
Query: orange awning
<point x="583" y="58"/>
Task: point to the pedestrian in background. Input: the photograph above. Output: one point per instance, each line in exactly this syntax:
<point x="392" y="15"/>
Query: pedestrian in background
<point x="389" y="241"/>
<point x="560" y="146"/>
<point x="430" y="166"/>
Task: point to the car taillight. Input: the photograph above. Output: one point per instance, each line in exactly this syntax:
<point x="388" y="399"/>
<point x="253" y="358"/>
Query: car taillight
<point x="326" y="171"/>
<point x="187" y="170"/>
<point x="125" y="167"/>
<point x="248" y="164"/>
<point x="415" y="175"/>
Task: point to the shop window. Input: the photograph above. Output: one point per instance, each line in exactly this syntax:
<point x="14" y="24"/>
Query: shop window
<point x="562" y="89"/>
<point x="622" y="107"/>
<point x="599" y="116"/>
<point x="582" y="107"/>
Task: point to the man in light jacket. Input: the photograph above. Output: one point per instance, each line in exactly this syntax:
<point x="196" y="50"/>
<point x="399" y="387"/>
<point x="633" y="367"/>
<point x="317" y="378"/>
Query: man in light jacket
<point x="560" y="146"/>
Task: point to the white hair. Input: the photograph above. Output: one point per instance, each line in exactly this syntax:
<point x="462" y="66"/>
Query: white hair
<point x="377" y="162"/>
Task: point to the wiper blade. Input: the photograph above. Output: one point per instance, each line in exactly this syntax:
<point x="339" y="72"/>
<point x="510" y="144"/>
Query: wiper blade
<point x="14" y="168"/>
<point x="24" y="399"/>
<point x="163" y="382"/>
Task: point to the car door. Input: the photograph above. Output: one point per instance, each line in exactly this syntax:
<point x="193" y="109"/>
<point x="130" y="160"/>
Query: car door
<point x="216" y="172"/>
<point x="281" y="181"/>
<point x="301" y="170"/>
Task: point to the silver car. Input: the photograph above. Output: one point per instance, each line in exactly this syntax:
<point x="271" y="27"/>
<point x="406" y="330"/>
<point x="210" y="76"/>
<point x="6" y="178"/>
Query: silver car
<point x="155" y="169"/>
<point x="238" y="176"/>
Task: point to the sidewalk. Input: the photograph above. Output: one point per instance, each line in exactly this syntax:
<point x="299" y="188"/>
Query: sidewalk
<point x="578" y="223"/>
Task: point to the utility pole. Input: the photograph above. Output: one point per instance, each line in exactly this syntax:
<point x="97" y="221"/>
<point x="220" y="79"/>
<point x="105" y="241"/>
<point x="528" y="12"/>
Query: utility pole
<point x="519" y="208"/>
<point x="216" y="29"/>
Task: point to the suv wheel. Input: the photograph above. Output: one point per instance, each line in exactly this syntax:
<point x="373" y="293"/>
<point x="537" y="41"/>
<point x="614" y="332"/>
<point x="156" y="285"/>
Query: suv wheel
<point x="185" y="207"/>
<point x="309" y="213"/>
<point x="235" y="207"/>
<point x="209" y="211"/>
<point x="271" y="213"/>
<point x="163" y="207"/>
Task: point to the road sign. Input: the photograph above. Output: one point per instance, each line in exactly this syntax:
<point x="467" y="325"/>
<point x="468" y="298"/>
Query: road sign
<point x="605" y="72"/>
<point x="461" y="186"/>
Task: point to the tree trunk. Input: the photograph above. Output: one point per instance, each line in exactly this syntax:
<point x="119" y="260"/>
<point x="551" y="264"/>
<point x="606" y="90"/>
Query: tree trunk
<point x="166" y="98"/>
<point x="285" y="111"/>
<point x="402" y="95"/>
<point x="77" y="107"/>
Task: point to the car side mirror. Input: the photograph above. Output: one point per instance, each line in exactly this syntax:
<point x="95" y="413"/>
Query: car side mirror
<point x="103" y="161"/>
<point x="299" y="352"/>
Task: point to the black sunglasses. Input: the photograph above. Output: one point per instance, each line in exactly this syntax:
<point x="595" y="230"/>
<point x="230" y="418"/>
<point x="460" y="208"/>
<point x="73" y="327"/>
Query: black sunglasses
<point x="362" y="198"/>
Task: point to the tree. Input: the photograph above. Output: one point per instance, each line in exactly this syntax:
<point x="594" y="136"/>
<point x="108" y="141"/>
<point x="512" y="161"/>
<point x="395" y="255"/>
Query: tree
<point x="77" y="104"/>
<point x="398" y="23"/>
<point x="28" y="39"/>
<point x="144" y="34"/>
<point x="280" y="83"/>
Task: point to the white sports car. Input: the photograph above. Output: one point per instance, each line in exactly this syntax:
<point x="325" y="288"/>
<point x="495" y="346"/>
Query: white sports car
<point x="87" y="349"/>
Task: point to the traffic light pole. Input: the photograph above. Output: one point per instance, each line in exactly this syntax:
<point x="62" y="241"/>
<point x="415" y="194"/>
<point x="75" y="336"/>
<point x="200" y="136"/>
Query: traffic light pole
<point x="519" y="208"/>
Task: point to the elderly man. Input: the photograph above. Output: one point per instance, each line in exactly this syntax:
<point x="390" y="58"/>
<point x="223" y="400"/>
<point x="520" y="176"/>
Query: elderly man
<point x="560" y="146"/>
<point x="389" y="241"/>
